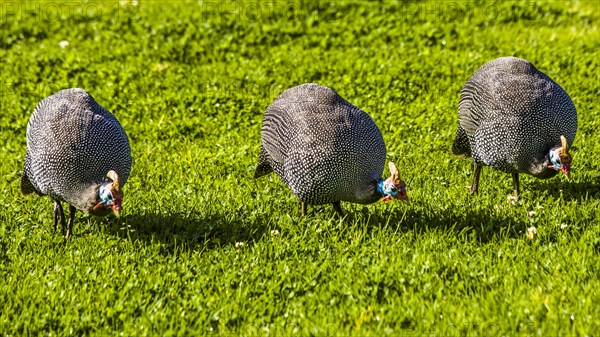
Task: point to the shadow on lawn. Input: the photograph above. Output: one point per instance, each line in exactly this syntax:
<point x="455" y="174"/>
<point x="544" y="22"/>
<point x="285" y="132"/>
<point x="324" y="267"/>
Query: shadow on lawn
<point x="194" y="231"/>
<point x="483" y="225"/>
<point x="178" y="231"/>
<point x="567" y="190"/>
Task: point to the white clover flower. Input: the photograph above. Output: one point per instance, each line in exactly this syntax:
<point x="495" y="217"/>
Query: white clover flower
<point x="531" y="233"/>
<point x="124" y="3"/>
<point x="511" y="199"/>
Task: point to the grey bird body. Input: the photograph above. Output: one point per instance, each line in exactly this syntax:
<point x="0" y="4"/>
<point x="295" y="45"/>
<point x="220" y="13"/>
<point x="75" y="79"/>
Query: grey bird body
<point x="324" y="148"/>
<point x="510" y="116"/>
<point x="72" y="142"/>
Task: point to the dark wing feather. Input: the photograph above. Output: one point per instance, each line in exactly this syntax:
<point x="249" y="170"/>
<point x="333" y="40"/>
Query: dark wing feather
<point x="474" y="104"/>
<point x="264" y="165"/>
<point x="275" y="140"/>
<point x="26" y="185"/>
<point x="461" y="145"/>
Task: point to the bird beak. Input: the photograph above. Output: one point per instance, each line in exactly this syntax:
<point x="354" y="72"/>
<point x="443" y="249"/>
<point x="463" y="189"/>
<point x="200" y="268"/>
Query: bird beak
<point x="566" y="170"/>
<point x="117" y="211"/>
<point x="116" y="207"/>
<point x="403" y="196"/>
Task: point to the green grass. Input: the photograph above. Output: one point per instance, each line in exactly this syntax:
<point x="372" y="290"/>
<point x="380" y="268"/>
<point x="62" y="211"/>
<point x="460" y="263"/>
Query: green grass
<point x="189" y="81"/>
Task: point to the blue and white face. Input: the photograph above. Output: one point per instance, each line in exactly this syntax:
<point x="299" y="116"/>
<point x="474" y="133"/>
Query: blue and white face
<point x="392" y="191"/>
<point x="560" y="158"/>
<point x="393" y="187"/>
<point x="561" y="163"/>
<point x="110" y="199"/>
<point x="110" y="196"/>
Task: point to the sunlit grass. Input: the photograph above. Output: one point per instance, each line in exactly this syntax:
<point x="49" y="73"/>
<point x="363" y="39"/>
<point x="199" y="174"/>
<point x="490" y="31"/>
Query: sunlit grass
<point x="204" y="249"/>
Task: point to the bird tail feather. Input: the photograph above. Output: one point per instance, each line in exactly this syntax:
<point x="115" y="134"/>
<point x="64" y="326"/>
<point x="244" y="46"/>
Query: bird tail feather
<point x="461" y="144"/>
<point x="263" y="167"/>
<point x="26" y="185"/>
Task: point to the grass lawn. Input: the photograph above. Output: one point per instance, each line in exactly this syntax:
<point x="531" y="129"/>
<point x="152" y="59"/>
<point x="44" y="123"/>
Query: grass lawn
<point x="203" y="248"/>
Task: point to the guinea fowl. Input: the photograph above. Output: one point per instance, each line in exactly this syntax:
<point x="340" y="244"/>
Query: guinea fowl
<point x="325" y="150"/>
<point x="78" y="153"/>
<point x="516" y="119"/>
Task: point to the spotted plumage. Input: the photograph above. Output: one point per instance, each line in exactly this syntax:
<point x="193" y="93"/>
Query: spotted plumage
<point x="324" y="149"/>
<point x="515" y="119"/>
<point x="78" y="153"/>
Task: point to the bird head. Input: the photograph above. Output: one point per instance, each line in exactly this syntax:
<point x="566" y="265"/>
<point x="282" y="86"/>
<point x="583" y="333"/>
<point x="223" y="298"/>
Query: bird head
<point x="393" y="187"/>
<point x="110" y="194"/>
<point x="560" y="157"/>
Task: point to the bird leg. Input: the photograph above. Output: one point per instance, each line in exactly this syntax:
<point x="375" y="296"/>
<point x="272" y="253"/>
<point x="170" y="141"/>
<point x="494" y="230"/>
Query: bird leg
<point x="59" y="214"/>
<point x="72" y="210"/>
<point x="475" y="181"/>
<point x="338" y="209"/>
<point x="516" y="188"/>
<point x="302" y="208"/>
<point x="55" y="217"/>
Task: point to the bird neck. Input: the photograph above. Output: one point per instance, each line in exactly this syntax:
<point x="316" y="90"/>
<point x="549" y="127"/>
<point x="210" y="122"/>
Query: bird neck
<point x="543" y="168"/>
<point x="85" y="196"/>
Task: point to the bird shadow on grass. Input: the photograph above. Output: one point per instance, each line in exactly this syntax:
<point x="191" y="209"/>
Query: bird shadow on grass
<point x="481" y="225"/>
<point x="184" y="231"/>
<point x="567" y="190"/>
